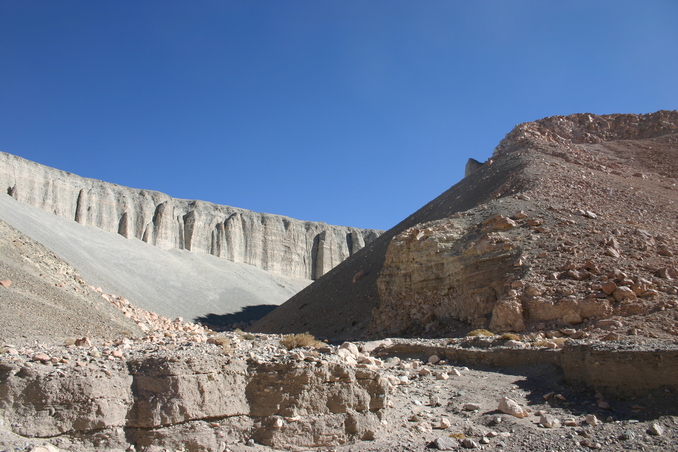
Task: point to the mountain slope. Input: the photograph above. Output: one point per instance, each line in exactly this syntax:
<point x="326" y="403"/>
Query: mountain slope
<point x="562" y="165"/>
<point x="173" y="283"/>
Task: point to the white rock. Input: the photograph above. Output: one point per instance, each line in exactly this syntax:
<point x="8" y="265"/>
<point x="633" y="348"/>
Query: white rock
<point x="656" y="429"/>
<point x="510" y="406"/>
<point x="549" y="421"/>
<point x="351" y="347"/>
<point x="591" y="419"/>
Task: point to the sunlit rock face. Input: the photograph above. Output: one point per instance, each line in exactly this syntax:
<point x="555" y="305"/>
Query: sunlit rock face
<point x="275" y="243"/>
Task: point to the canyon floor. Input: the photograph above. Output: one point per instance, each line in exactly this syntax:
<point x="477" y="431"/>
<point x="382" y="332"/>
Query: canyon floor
<point x="429" y="404"/>
<point x="574" y="220"/>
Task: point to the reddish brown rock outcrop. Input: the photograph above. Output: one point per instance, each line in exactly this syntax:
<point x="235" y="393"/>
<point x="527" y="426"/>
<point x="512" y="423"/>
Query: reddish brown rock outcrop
<point x="566" y="207"/>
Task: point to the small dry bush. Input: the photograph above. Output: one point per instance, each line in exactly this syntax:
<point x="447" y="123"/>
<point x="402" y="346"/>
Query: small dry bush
<point x="480" y="333"/>
<point x="290" y="341"/>
<point x="223" y="341"/>
<point x="510" y="337"/>
<point x="555" y="340"/>
<point x="248" y="336"/>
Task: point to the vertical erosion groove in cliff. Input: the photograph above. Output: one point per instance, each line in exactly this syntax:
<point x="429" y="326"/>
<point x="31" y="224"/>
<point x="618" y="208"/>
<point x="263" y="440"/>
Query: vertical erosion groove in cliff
<point x="294" y="248"/>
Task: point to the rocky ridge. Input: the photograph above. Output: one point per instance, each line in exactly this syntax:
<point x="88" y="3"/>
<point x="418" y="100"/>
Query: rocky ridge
<point x="275" y="243"/>
<point x="569" y="223"/>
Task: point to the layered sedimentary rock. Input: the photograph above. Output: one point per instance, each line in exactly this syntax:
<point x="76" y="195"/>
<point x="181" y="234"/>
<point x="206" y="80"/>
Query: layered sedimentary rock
<point x="548" y="255"/>
<point x="570" y="221"/>
<point x="274" y="243"/>
<point x="193" y="403"/>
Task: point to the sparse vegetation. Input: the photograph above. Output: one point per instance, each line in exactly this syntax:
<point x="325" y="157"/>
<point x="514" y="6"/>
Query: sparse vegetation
<point x="221" y="340"/>
<point x="555" y="340"/>
<point x="248" y="336"/>
<point x="480" y="332"/>
<point x="290" y="341"/>
<point x="224" y="342"/>
<point x="510" y="337"/>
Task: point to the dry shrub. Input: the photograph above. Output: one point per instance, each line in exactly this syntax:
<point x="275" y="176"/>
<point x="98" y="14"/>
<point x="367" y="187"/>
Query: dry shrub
<point x="457" y="435"/>
<point x="248" y="336"/>
<point x="223" y="341"/>
<point x="510" y="337"/>
<point x="555" y="340"/>
<point x="290" y="341"/>
<point x="480" y="333"/>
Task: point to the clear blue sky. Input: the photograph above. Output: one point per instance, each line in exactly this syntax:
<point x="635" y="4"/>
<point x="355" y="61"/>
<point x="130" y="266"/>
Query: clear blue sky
<point x="350" y="112"/>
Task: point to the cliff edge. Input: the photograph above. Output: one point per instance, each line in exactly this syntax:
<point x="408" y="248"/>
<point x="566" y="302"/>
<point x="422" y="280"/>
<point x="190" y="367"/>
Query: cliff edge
<point x="278" y="244"/>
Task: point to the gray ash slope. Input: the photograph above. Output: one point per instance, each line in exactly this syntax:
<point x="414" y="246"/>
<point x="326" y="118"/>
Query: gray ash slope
<point x="172" y="283"/>
<point x="562" y="163"/>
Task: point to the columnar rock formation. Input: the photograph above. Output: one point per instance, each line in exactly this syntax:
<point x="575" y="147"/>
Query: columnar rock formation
<point x="274" y="243"/>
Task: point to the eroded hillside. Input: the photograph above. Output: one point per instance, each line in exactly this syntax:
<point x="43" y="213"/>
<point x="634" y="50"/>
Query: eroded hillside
<point x="570" y="222"/>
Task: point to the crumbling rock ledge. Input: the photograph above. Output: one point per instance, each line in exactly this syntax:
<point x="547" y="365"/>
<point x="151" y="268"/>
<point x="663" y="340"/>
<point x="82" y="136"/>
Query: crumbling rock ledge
<point x="621" y="369"/>
<point x="193" y="403"/>
<point x="295" y="248"/>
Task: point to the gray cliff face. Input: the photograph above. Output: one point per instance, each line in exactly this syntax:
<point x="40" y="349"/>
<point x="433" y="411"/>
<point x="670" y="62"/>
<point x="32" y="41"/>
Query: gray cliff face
<point x="275" y="243"/>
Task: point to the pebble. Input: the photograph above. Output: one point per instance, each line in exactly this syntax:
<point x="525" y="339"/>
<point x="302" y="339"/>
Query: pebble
<point x="41" y="357"/>
<point x="510" y="406"/>
<point x="433" y="359"/>
<point x="656" y="429"/>
<point x="549" y="421"/>
<point x="445" y="443"/>
<point x="592" y="420"/>
<point x="471" y="407"/>
<point x="45" y="448"/>
<point x="468" y="443"/>
<point x="627" y="435"/>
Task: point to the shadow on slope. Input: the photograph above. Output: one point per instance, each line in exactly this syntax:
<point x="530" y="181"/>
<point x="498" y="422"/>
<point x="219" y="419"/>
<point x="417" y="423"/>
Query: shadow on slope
<point x="338" y="306"/>
<point x="174" y="283"/>
<point x="225" y="322"/>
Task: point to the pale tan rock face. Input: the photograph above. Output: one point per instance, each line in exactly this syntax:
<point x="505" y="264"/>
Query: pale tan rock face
<point x="283" y="245"/>
<point x="447" y="269"/>
<point x="567" y="239"/>
<point x="200" y="400"/>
